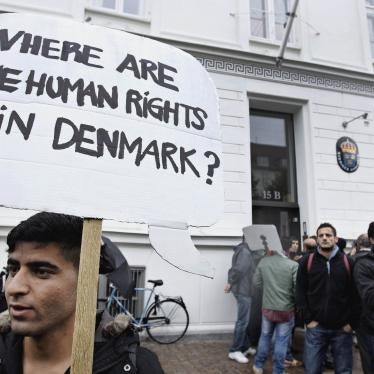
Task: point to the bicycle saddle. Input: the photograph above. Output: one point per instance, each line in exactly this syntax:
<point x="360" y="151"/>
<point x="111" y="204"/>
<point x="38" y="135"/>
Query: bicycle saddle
<point x="157" y="282"/>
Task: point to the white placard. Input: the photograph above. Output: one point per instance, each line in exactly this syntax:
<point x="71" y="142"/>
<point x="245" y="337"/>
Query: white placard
<point x="99" y="123"/>
<point x="262" y="238"/>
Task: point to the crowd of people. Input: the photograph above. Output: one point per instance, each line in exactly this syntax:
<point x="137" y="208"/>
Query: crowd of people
<point x="323" y="288"/>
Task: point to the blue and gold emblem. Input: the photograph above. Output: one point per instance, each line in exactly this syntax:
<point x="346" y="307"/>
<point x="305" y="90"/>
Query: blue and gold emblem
<point x="347" y="154"/>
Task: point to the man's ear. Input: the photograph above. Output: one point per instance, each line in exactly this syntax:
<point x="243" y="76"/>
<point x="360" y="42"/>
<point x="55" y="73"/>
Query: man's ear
<point x="336" y="239"/>
<point x="371" y="240"/>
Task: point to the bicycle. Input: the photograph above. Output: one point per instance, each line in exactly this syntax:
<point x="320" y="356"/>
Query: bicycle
<point x="165" y="318"/>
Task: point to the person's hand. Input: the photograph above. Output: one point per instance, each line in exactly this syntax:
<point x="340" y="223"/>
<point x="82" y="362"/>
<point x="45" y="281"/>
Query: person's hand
<point x="312" y="324"/>
<point x="347" y="328"/>
<point x="227" y="288"/>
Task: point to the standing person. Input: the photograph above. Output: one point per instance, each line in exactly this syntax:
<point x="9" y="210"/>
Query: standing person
<point x="364" y="277"/>
<point x="293" y="250"/>
<point x="326" y="296"/>
<point x="277" y="275"/>
<point x="40" y="289"/>
<point x="239" y="283"/>
<point x="362" y="247"/>
<point x="310" y="245"/>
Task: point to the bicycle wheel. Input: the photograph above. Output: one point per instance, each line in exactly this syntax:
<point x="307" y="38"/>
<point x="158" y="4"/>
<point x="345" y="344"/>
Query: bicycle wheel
<point x="167" y="321"/>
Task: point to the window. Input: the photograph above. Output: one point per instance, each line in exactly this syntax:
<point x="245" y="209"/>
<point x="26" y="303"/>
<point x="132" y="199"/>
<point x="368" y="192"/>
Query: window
<point x="274" y="188"/>
<point x="122" y="6"/>
<point x="268" y="18"/>
<point x="370" y="17"/>
<point x="135" y="303"/>
<point x="272" y="155"/>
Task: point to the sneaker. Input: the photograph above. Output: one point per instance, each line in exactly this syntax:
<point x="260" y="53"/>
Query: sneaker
<point x="292" y="363"/>
<point x="257" y="370"/>
<point x="238" y="357"/>
<point x="250" y="351"/>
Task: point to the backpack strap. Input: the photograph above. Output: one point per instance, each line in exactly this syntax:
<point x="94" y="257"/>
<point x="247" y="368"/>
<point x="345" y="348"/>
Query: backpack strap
<point x="346" y="264"/>
<point x="310" y="261"/>
<point x="345" y="259"/>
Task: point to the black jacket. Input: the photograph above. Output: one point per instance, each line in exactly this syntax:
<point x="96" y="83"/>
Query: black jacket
<point x="363" y="275"/>
<point x="111" y="356"/>
<point x="329" y="299"/>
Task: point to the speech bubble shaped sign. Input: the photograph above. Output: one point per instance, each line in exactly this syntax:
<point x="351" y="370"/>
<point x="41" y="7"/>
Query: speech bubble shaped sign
<point x="99" y="123"/>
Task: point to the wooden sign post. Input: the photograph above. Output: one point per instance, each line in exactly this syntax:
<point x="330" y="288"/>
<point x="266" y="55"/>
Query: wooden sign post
<point x="85" y="313"/>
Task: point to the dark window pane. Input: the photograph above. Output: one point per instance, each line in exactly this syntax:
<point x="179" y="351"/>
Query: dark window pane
<point x="268" y="131"/>
<point x="272" y="158"/>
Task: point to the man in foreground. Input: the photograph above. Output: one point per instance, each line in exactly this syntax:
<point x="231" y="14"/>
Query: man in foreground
<point x="326" y="296"/>
<point x="364" y="278"/>
<point x="40" y="290"/>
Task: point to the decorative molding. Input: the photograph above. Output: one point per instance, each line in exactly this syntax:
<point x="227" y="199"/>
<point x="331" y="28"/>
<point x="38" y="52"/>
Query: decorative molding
<point x="286" y="75"/>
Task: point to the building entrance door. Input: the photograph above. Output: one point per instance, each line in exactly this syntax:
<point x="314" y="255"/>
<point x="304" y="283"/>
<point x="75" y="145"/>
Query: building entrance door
<point x="274" y="192"/>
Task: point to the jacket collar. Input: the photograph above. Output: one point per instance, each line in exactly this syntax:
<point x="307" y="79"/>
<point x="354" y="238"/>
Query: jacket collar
<point x="334" y="252"/>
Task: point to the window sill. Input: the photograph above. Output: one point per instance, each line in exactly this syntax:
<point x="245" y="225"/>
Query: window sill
<point x="113" y="13"/>
<point x="272" y="43"/>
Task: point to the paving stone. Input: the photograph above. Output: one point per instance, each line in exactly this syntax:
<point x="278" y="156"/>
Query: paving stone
<point x="202" y="354"/>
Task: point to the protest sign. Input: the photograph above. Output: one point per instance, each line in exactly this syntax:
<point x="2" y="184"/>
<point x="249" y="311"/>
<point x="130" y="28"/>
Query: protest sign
<point x="99" y="123"/>
<point x="131" y="122"/>
<point x="262" y="238"/>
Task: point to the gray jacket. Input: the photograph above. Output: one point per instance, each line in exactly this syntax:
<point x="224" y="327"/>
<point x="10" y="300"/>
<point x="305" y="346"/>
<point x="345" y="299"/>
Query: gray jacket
<point x="241" y="271"/>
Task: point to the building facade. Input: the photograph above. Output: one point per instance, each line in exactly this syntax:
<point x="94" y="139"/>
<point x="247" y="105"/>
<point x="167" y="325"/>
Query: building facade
<point x="290" y="152"/>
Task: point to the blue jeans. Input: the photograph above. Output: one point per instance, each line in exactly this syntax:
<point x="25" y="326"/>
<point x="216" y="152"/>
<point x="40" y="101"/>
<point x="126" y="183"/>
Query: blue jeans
<point x="289" y="355"/>
<point x="317" y="340"/>
<point x="366" y="347"/>
<point x="241" y="340"/>
<point x="283" y="332"/>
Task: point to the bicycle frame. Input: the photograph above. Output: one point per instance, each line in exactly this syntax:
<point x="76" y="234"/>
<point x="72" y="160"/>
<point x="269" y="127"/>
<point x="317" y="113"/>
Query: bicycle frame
<point x="137" y="322"/>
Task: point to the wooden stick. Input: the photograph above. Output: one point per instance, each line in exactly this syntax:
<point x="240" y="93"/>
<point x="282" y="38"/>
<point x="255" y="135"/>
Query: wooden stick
<point x="85" y="314"/>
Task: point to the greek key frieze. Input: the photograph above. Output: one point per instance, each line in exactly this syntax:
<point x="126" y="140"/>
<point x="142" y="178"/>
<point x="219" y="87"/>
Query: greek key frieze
<point x="287" y="75"/>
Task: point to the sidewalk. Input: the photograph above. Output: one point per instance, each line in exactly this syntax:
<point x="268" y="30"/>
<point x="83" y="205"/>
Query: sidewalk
<point x="207" y="354"/>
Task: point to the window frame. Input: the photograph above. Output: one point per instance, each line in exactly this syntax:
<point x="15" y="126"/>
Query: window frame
<point x="270" y="24"/>
<point x="119" y="8"/>
<point x="370" y="18"/>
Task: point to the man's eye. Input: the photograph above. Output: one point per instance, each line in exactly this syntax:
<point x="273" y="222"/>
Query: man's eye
<point x="42" y="273"/>
<point x="12" y="270"/>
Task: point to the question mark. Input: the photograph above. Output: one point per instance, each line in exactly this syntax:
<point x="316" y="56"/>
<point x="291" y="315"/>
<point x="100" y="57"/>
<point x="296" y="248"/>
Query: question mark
<point x="213" y="166"/>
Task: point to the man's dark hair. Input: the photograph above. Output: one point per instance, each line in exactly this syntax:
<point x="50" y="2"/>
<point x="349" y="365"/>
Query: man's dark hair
<point x="326" y="225"/>
<point x="45" y="228"/>
<point x="371" y="231"/>
<point x="341" y="243"/>
<point x="293" y="239"/>
<point x="310" y="247"/>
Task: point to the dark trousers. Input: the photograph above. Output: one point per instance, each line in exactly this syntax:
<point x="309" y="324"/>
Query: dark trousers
<point x="317" y="340"/>
<point x="366" y="347"/>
